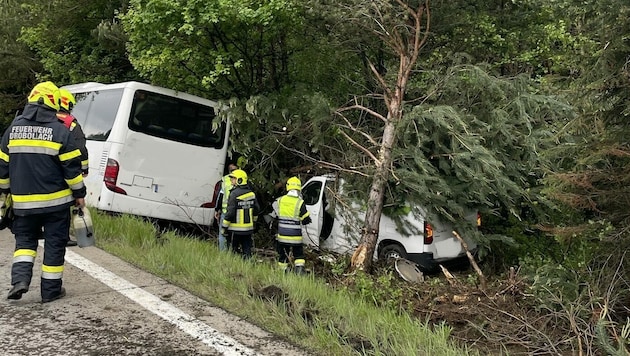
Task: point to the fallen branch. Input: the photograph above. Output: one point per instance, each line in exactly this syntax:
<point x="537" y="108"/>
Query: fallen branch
<point x="482" y="278"/>
<point x="449" y="277"/>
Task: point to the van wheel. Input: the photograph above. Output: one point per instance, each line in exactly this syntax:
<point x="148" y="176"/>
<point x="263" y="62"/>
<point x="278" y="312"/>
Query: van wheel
<point x="392" y="252"/>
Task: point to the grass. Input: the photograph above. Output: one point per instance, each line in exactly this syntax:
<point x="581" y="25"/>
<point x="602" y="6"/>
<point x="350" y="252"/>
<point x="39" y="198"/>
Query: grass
<point x="302" y="309"/>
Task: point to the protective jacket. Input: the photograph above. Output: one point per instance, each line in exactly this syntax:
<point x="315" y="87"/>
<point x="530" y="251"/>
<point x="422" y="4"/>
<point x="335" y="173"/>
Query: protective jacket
<point x="291" y="213"/>
<point x="79" y="138"/>
<point x="242" y="211"/>
<point x="40" y="163"/>
<point x="224" y="194"/>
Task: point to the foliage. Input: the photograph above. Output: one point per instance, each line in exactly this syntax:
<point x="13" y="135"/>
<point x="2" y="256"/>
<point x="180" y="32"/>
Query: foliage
<point x="221" y="49"/>
<point x="282" y="132"/>
<point x="77" y="41"/>
<point x="383" y="292"/>
<point x="513" y="37"/>
<point x="16" y="61"/>
<point x="593" y="152"/>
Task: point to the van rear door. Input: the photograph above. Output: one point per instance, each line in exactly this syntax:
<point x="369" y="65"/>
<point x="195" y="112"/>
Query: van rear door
<point x="312" y="193"/>
<point x="146" y="167"/>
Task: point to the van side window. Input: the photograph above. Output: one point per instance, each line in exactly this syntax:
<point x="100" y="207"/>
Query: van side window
<point x="310" y="193"/>
<point x="96" y="112"/>
<point x="175" y="119"/>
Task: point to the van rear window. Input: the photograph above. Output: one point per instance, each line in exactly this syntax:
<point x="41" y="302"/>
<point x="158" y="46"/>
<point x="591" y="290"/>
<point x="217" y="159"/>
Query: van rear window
<point x="175" y="119"/>
<point x="96" y="111"/>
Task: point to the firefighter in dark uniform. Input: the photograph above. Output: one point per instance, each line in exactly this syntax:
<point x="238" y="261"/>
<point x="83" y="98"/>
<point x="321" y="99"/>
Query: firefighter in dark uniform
<point x="66" y="104"/>
<point x="242" y="211"/>
<point x="40" y="166"/>
<point x="292" y="214"/>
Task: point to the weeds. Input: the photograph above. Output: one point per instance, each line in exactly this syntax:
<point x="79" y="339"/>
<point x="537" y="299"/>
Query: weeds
<point x="306" y="311"/>
<point x="547" y="307"/>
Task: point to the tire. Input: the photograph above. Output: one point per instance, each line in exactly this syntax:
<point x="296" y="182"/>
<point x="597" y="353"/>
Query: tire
<point x="391" y="251"/>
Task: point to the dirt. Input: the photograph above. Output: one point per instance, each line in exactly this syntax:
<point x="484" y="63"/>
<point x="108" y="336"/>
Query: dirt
<point x="497" y="319"/>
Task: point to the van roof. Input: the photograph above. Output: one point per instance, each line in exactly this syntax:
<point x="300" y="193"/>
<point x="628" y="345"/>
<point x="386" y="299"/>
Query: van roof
<point x="92" y="86"/>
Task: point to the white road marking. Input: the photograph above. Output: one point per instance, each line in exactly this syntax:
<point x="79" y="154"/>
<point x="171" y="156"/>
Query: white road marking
<point x="187" y="323"/>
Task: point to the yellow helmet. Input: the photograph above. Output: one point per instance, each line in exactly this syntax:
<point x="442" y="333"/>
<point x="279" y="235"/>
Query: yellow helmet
<point x="66" y="100"/>
<point x="240" y="175"/>
<point x="45" y="93"/>
<point x="294" y="183"/>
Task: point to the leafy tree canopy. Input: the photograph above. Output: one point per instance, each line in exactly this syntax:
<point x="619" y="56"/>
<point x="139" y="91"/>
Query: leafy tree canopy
<point x="77" y="41"/>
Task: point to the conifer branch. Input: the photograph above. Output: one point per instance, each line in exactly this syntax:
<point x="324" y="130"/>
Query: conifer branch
<point x="360" y="147"/>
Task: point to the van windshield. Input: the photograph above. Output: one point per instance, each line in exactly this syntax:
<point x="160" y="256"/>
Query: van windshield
<point x="96" y="111"/>
<point x="175" y="119"/>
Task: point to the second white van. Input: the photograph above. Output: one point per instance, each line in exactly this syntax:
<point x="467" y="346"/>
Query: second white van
<point x="337" y="226"/>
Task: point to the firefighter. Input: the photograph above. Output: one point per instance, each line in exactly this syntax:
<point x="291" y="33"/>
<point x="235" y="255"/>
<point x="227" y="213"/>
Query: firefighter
<point x="40" y="166"/>
<point x="66" y="104"/>
<point x="222" y="201"/>
<point x="242" y="211"/>
<point x="292" y="214"/>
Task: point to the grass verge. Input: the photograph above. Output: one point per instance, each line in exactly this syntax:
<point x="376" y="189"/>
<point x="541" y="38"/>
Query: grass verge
<point x="302" y="309"/>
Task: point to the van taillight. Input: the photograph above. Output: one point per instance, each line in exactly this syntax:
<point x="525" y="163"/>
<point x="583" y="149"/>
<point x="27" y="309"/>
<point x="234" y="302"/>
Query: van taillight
<point x="215" y="196"/>
<point x="111" y="176"/>
<point x="428" y="233"/>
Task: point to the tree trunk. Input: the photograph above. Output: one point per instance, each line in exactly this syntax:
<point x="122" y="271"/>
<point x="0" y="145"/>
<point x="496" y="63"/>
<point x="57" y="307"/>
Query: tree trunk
<point x="362" y="257"/>
<point x="406" y="45"/>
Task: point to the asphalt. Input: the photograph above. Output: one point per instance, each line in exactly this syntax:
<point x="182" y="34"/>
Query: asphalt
<point x="113" y="308"/>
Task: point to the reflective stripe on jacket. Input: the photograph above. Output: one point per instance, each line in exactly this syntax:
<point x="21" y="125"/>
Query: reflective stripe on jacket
<point x="291" y="213"/>
<point x="40" y="163"/>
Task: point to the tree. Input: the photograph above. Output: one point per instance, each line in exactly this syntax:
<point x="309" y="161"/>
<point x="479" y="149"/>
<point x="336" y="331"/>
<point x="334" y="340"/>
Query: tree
<point x="451" y="136"/>
<point x="458" y="136"/>
<point x="220" y="49"/>
<point x="594" y="175"/>
<point x="405" y="39"/>
<point x="271" y="62"/>
<point x="77" y="41"/>
<point x="17" y="63"/>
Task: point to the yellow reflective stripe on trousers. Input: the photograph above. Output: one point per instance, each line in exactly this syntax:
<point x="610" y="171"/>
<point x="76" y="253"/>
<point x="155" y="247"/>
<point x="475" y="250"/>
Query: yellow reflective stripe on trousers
<point x="52" y="272"/>
<point x="294" y="240"/>
<point x="33" y="201"/>
<point x="24" y="255"/>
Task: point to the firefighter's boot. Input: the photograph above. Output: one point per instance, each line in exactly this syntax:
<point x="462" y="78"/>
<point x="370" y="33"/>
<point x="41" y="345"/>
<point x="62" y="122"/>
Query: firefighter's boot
<point x="18" y="289"/>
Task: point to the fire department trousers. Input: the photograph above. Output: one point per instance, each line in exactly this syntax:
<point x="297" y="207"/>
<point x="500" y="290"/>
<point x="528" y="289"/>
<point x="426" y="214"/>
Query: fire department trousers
<point x="27" y="229"/>
<point x="241" y="244"/>
<point x="285" y="249"/>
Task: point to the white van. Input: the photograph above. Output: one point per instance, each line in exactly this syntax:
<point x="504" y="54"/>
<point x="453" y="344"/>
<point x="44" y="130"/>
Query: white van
<point x="337" y="227"/>
<point x="153" y="152"/>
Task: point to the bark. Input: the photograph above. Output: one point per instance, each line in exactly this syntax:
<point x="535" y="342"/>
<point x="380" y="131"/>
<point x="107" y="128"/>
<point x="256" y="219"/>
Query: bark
<point x="407" y="46"/>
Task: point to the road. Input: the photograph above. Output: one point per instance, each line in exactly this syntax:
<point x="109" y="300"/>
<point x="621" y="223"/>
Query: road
<point x="113" y="308"/>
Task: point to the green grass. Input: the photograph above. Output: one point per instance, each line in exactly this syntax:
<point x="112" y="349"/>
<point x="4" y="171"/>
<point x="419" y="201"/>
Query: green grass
<point x="302" y="309"/>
